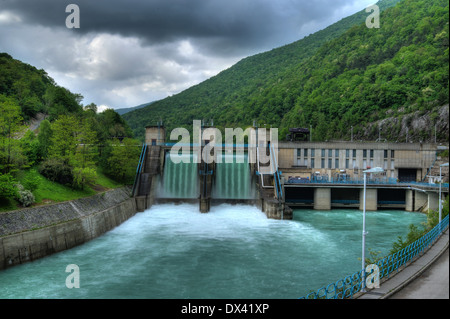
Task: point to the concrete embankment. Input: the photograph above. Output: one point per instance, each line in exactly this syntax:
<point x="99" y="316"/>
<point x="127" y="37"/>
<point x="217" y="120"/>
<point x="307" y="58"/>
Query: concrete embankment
<point x="32" y="233"/>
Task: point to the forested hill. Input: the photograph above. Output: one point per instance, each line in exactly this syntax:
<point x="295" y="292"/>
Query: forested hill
<point x="345" y="75"/>
<point x="72" y="148"/>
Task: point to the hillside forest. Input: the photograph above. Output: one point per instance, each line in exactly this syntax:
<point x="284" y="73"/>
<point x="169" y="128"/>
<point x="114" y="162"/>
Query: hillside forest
<point x="50" y="144"/>
<point x="344" y="76"/>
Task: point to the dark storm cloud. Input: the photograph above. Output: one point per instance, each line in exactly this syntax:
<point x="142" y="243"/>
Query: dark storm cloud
<point x="225" y="23"/>
<point x="131" y="52"/>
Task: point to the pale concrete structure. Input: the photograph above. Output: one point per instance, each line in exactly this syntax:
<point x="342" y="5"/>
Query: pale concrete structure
<point x="155" y="135"/>
<point x="371" y="199"/>
<point x="322" y="198"/>
<point x="407" y="160"/>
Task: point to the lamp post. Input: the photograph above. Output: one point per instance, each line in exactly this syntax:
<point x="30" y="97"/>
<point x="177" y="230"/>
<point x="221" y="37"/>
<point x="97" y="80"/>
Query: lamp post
<point x="364" y="233"/>
<point x="440" y="189"/>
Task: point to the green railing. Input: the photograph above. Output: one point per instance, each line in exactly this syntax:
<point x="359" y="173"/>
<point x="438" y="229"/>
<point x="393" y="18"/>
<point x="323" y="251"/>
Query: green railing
<point x="347" y="287"/>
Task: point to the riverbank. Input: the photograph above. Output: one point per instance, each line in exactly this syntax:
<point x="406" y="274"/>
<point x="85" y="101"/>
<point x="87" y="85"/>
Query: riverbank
<point x="32" y="233"/>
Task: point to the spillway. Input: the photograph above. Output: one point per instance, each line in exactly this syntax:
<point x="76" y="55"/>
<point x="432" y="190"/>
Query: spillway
<point x="233" y="179"/>
<point x="179" y="180"/>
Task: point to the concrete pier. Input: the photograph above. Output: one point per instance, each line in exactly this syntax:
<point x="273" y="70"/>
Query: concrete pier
<point x="371" y="199"/>
<point x="322" y="198"/>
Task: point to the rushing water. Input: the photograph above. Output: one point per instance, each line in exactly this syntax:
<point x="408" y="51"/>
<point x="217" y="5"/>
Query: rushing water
<point x="173" y="251"/>
<point x="179" y="179"/>
<point x="233" y="179"/>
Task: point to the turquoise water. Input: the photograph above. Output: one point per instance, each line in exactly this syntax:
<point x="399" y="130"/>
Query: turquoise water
<point x="173" y="251"/>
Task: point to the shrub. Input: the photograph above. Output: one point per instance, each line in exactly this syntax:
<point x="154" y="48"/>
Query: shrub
<point x="56" y="171"/>
<point x="24" y="196"/>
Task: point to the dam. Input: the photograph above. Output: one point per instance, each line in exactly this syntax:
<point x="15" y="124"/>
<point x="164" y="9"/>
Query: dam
<point x="298" y="174"/>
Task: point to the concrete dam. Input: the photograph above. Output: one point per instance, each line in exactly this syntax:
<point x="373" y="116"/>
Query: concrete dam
<point x="298" y="174"/>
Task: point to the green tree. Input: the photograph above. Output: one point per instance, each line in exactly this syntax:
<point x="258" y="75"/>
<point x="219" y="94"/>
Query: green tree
<point x="44" y="138"/>
<point x="124" y="159"/>
<point x="10" y="121"/>
<point x="63" y="140"/>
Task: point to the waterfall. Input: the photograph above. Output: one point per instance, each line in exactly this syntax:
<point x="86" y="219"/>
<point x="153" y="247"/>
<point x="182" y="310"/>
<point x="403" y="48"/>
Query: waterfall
<point x="180" y="180"/>
<point x="233" y="180"/>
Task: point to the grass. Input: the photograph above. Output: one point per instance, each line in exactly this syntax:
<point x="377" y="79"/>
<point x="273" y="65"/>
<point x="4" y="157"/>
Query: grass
<point x="49" y="192"/>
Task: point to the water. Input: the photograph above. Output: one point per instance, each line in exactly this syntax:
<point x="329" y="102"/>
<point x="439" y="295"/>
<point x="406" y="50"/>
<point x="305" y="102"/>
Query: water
<point x="179" y="179"/>
<point x="233" y="180"/>
<point x="173" y="251"/>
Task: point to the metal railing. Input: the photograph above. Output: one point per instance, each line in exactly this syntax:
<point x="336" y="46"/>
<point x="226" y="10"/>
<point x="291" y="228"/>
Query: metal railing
<point x="347" y="287"/>
<point x="356" y="181"/>
<point x="139" y="169"/>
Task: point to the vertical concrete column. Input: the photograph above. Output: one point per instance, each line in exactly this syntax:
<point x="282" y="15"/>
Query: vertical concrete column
<point x="433" y="201"/>
<point x="420" y="201"/>
<point x="409" y="198"/>
<point x="371" y="199"/>
<point x="322" y="198"/>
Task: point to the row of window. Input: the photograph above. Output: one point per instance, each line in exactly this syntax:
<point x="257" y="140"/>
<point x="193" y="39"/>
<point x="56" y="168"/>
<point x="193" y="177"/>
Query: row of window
<point x="336" y="152"/>
<point x="347" y="164"/>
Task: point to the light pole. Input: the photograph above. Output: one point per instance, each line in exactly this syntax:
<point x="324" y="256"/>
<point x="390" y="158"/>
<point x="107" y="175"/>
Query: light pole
<point x="364" y="233"/>
<point x="440" y="189"/>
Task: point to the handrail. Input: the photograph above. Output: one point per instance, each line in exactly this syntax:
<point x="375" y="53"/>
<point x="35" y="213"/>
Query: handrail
<point x="139" y="168"/>
<point x="347" y="287"/>
<point x="429" y="169"/>
<point x="274" y="173"/>
<point x="277" y="173"/>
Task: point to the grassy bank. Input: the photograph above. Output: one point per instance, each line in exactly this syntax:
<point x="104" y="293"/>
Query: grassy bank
<point x="48" y="192"/>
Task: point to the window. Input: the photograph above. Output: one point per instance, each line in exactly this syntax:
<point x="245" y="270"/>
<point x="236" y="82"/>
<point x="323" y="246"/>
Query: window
<point x="354" y="163"/>
<point x="313" y="152"/>
<point x="323" y="152"/>
<point x="312" y="163"/>
<point x="329" y="163"/>
<point x="299" y="152"/>
<point x="371" y="153"/>
<point x="322" y="163"/>
<point x="153" y="142"/>
<point x="346" y="163"/>
<point x="336" y="153"/>
<point x="385" y="153"/>
<point x="330" y="153"/>
<point x="364" y="164"/>
<point x="305" y="152"/>
<point x="364" y="153"/>
<point x="392" y="154"/>
<point x="392" y="164"/>
<point x="354" y="153"/>
<point x="306" y="162"/>
<point x="336" y="163"/>
<point x="385" y="166"/>
<point x="347" y="153"/>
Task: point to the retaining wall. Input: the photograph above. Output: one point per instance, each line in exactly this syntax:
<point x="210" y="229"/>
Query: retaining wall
<point x="32" y="233"/>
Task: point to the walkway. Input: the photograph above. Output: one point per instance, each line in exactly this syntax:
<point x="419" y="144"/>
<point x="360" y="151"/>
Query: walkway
<point x="425" y="278"/>
<point x="432" y="284"/>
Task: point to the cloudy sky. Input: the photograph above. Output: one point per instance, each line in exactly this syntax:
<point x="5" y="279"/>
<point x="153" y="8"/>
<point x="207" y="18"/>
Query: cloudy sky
<point x="129" y="52"/>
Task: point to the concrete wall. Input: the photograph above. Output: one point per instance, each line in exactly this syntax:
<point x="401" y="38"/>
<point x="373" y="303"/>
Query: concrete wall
<point x="29" y="234"/>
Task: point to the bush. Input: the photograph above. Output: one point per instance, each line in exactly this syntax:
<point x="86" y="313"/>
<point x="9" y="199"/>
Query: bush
<point x="24" y="196"/>
<point x="56" y="171"/>
<point x="31" y="181"/>
<point x="84" y="176"/>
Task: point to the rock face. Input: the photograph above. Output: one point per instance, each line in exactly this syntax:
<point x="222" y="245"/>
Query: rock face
<point x="419" y="126"/>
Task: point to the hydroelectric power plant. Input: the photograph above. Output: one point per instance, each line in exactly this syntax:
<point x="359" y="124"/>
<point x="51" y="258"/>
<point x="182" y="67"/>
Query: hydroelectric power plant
<point x="279" y="176"/>
<point x="201" y="233"/>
